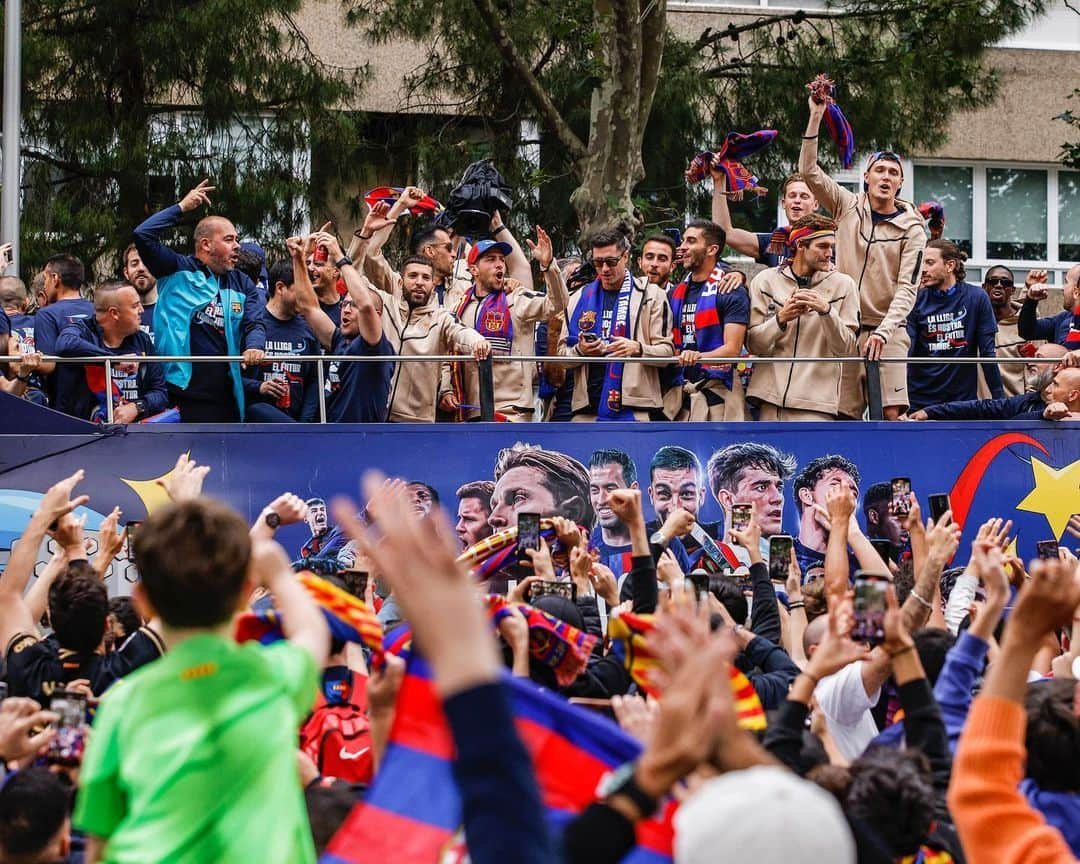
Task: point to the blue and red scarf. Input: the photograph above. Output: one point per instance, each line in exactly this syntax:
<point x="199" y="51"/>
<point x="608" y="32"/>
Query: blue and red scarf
<point x="588" y="318"/>
<point x="492" y="318"/>
<point x="708" y="327"/>
<point x="823" y="90"/>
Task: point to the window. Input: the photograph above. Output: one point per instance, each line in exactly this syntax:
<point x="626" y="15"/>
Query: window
<point x="1016" y="214"/>
<point x="1069" y="215"/>
<point x="951" y="187"/>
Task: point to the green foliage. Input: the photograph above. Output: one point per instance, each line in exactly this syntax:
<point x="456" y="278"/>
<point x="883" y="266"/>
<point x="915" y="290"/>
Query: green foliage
<point x="1070" y="150"/>
<point x="126" y="103"/>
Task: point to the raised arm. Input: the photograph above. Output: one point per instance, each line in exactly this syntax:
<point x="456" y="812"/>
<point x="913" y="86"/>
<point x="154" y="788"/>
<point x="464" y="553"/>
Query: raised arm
<point x="367" y="302"/>
<point x="738" y="239"/>
<point x="159" y="258"/>
<point x="306" y="300"/>
<point x="301" y="619"/>
<point x="832" y="195"/>
<point x="517" y="265"/>
<point x="539" y="307"/>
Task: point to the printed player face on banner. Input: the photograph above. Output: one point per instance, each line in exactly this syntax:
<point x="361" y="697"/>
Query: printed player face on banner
<point x="529" y="479"/>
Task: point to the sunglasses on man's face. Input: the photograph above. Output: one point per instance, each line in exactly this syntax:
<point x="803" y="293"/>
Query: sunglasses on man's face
<point x="607" y="262"/>
<point x="1001" y="281"/>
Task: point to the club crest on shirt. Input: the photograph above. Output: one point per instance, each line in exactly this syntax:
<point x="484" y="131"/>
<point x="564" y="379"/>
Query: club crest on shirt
<point x="614" y="400"/>
<point x="587" y="321"/>
<point x="237" y="307"/>
<point x="493" y="321"/>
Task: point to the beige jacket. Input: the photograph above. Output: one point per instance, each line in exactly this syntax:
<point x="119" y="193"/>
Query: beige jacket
<point x="884" y="259"/>
<point x="1008" y="344"/>
<point x="807" y="386"/>
<point x="423" y="331"/>
<point x="651" y="325"/>
<point x="514" y="382"/>
<point x="387" y="279"/>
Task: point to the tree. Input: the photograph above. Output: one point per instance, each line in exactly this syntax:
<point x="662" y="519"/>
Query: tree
<point x="128" y="102"/>
<point x="592" y="74"/>
<point x="1070" y="150"/>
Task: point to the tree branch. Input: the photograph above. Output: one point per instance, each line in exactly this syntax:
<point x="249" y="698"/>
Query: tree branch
<point x="538" y="95"/>
<point x="71" y="167"/>
<point x="652" y="55"/>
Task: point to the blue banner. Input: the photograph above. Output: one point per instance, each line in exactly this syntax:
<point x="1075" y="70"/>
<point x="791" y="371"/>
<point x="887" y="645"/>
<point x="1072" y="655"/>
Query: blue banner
<point x="1029" y="472"/>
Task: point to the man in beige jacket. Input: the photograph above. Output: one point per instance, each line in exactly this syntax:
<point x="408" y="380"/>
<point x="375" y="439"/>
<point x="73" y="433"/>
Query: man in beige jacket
<point x="879" y="243"/>
<point x="802" y="308"/>
<point x="614" y="316"/>
<point x="502" y="306"/>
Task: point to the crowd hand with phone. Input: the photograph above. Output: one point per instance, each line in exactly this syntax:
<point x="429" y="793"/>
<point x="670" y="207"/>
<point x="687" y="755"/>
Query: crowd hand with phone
<point x="540" y="562"/>
<point x="835" y="651"/>
<point x="19" y="716"/>
<point x="514" y="630"/>
<point x="185" y="481"/>
<point x="987" y="565"/>
<point x="750" y="537"/>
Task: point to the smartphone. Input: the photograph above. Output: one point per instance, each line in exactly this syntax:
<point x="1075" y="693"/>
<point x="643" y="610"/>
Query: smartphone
<point x="939" y="506"/>
<point x="528" y="534"/>
<point x="3" y="690"/>
<point x="700" y="580"/>
<point x="901" y="496"/>
<point x="70" y="741"/>
<point x="779" y="556"/>
<point x="132" y="529"/>
<point x="741" y="515"/>
<point x="589" y="337"/>
<point x="1047" y="549"/>
<point x="869" y="607"/>
<point x="545" y="587"/>
<point x="884" y="549"/>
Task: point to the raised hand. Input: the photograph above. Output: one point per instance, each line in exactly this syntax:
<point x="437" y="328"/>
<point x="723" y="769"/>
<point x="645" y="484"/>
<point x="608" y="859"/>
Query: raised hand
<point x="197" y="197"/>
<point x="58" y="502"/>
<point x="185" y="481"/>
<point x="289" y="508"/>
<point x="626" y="504"/>
<point x="1047" y="602"/>
<point x="110" y="541"/>
<point x="605" y="584"/>
<point x="542" y="250"/>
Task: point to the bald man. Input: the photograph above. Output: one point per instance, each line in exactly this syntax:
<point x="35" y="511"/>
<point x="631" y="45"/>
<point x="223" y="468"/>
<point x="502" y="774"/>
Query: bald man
<point x="205" y="308"/>
<point x="1062" y="395"/>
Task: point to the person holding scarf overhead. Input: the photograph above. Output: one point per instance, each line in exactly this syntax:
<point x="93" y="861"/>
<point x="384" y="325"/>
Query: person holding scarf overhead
<point x="502" y="306"/>
<point x="710" y="323"/>
<point x="615" y="316"/>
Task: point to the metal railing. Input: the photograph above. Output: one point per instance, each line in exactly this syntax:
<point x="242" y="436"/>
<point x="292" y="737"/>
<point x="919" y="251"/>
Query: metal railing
<point x="485" y="368"/>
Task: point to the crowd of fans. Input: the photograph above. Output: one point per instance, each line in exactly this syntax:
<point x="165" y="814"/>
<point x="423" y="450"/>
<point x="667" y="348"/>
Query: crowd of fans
<point x="944" y="726"/>
<point x="851" y="275"/>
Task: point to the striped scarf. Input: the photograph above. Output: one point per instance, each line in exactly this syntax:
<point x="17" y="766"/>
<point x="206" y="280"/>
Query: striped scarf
<point x="588" y="318"/>
<point x="708" y="328"/>
<point x="552" y="642"/>
<point x="823" y="89"/>
<point x="493" y="553"/>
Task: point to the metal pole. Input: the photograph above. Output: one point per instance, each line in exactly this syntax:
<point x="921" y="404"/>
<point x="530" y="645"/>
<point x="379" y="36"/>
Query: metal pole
<point x="322" y="391"/>
<point x="9" y="197"/>
<point x="873" y="390"/>
<point x="487" y="389"/>
<point x="108" y="391"/>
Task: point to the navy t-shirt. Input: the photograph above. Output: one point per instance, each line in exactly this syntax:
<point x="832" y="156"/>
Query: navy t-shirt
<point x="22" y="328"/>
<point x="333" y="311"/>
<point x="764" y="256"/>
<point x="359" y="392"/>
<point x="146" y="320"/>
<point x="292" y="336"/>
<point x="951" y="323"/>
<point x="210" y="382"/>
<point x="732" y="308"/>
<point x="55" y="317"/>
<point x="597" y="371"/>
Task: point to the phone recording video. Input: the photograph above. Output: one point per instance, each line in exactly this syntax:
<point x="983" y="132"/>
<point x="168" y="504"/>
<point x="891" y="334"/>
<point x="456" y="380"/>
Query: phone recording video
<point x="939" y="506"/>
<point x="70" y="741"/>
<point x="544" y="587"/>
<point x="132" y="529"/>
<point x="884" y="549"/>
<point x="528" y="534"/>
<point x="741" y="514"/>
<point x="780" y="546"/>
<point x="869" y="608"/>
<point x="1047" y="550"/>
<point x="901" y="496"/>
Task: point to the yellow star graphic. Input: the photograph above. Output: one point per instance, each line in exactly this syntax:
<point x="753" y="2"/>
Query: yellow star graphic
<point x="150" y="493"/>
<point x="1056" y="494"/>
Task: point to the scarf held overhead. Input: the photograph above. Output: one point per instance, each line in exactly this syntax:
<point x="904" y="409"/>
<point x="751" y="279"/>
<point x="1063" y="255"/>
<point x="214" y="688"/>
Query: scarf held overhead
<point x="728" y="161"/>
<point x="823" y="91"/>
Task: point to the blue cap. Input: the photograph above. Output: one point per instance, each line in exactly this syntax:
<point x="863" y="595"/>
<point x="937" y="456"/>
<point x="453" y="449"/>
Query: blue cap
<point x="480" y="249"/>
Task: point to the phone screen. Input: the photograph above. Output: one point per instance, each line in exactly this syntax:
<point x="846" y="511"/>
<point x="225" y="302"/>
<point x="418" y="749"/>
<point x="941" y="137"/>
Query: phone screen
<point x="939" y="506"/>
<point x="741" y="515"/>
<point x="132" y="529"/>
<point x="545" y="587"/>
<point x="901" y="496"/>
<point x="1047" y="549"/>
<point x="70" y="741"/>
<point x="779" y="556"/>
<point x="869" y="608"/>
<point x="884" y="549"/>
<point x="528" y="536"/>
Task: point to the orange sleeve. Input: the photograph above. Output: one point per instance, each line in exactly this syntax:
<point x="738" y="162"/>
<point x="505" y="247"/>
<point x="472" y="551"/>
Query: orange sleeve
<point x="994" y="820"/>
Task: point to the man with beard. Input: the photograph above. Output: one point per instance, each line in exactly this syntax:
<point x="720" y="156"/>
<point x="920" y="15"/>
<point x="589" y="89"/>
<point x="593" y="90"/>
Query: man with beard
<point x="751" y="473"/>
<point x="657" y="260"/>
<point x="676" y="481"/>
<point x="710" y="318"/>
<point x="796" y="199"/>
<point x="205" y="307"/>
<point x="502" y="306"/>
<point x="1063" y="328"/>
<point x="474" y="508"/>
<point x="999" y="285"/>
<point x="324" y="279"/>
<point x="613" y="316"/>
<point x="138" y="276"/>
<point x="950" y="318"/>
<point x="879" y="243"/>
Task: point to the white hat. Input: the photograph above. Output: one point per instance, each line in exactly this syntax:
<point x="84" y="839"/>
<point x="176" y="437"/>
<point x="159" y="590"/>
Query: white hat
<point x="766" y="815"/>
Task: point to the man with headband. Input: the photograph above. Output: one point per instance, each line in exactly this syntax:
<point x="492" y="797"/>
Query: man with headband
<point x="879" y="243"/>
<point x="803" y="308"/>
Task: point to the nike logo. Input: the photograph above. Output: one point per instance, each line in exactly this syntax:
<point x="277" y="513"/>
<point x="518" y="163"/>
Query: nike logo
<point x="897" y="389"/>
<point x="345" y="754"/>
